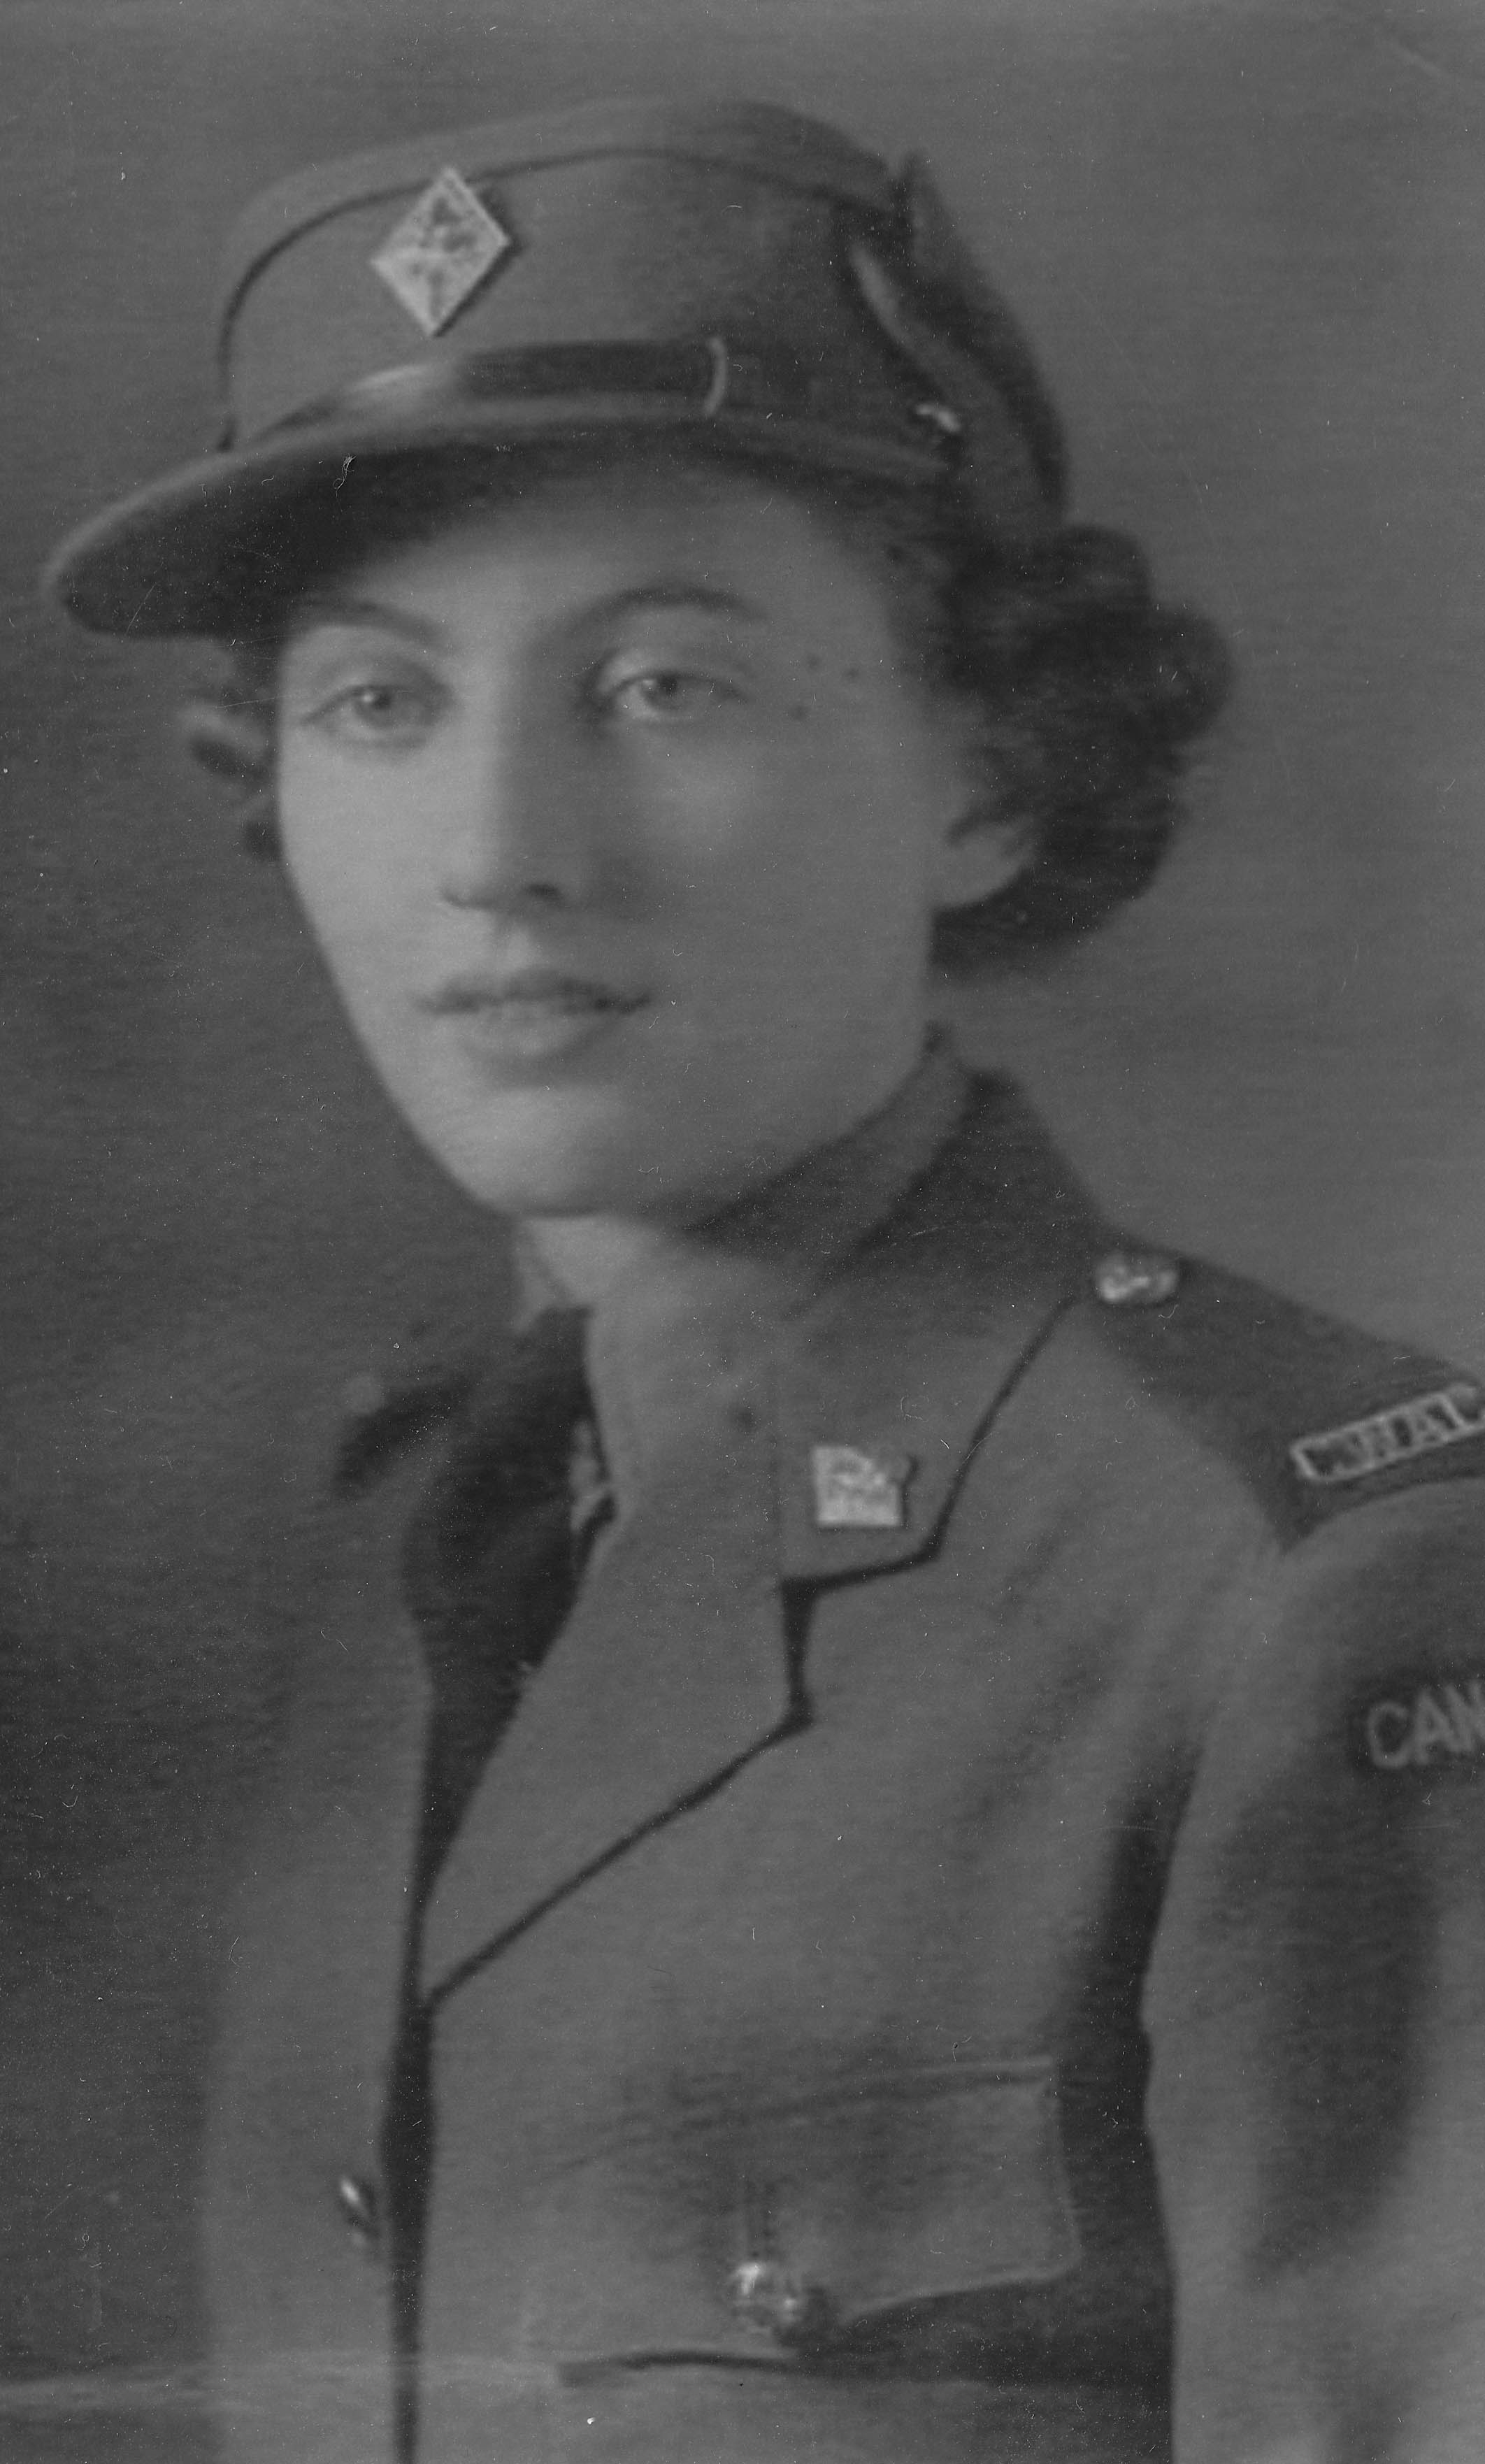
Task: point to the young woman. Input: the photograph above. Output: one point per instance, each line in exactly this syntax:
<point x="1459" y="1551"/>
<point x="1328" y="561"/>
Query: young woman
<point x="885" y="1859"/>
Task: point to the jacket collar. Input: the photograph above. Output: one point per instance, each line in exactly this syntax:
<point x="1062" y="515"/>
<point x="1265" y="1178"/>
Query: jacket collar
<point x="674" y="1666"/>
<point x="907" y="1355"/>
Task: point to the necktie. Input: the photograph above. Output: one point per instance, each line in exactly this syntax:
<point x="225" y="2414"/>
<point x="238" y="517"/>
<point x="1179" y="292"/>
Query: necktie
<point x="492" y="1562"/>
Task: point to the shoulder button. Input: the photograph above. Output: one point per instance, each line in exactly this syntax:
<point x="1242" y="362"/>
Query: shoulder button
<point x="1136" y="1277"/>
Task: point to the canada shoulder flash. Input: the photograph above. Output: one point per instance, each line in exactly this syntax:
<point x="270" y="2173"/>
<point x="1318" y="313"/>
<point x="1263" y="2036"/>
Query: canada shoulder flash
<point x="1424" y="1724"/>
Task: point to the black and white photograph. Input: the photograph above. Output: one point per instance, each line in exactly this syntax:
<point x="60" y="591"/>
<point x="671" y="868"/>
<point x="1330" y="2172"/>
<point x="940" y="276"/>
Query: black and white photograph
<point x="742" y="1040"/>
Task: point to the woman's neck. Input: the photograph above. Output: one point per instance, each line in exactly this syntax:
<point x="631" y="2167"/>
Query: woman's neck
<point x="586" y="1257"/>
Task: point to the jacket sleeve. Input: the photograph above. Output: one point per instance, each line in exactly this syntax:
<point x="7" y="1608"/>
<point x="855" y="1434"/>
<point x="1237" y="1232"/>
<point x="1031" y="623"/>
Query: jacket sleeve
<point x="1316" y="2006"/>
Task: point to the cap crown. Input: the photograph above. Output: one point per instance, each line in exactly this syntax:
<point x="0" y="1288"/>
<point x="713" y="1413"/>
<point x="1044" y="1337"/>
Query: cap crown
<point x="638" y="222"/>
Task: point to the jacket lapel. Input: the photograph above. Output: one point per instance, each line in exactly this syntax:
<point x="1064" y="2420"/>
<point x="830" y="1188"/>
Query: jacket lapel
<point x="675" y="1665"/>
<point x="671" y="1667"/>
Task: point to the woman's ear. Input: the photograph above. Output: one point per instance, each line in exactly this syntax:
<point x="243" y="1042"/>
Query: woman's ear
<point x="234" y="741"/>
<point x="980" y="843"/>
<point x="980" y="853"/>
<point x="231" y="739"/>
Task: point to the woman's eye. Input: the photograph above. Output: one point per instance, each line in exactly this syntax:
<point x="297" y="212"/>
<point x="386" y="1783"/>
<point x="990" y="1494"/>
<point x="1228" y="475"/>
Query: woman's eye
<point x="664" y="697"/>
<point x="381" y="711"/>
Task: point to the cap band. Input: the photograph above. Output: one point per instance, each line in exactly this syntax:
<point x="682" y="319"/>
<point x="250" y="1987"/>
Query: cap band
<point x="701" y="380"/>
<point x="704" y="376"/>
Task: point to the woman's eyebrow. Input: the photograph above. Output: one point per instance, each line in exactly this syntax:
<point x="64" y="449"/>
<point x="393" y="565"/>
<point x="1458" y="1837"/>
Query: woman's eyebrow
<point x="332" y="608"/>
<point x="680" y="594"/>
<point x="683" y="594"/>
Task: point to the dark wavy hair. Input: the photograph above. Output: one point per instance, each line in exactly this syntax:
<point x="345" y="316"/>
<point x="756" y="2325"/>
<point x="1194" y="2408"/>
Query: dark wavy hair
<point x="1093" y="691"/>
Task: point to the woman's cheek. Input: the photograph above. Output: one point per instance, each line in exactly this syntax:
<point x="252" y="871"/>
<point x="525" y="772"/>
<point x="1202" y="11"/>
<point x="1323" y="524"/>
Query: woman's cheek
<point x="710" y="813"/>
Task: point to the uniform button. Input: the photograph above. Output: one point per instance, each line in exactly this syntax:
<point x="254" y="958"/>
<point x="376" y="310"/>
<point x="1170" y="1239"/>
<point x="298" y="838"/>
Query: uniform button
<point x="768" y="2296"/>
<point x="1135" y="1279"/>
<point x="359" y="2208"/>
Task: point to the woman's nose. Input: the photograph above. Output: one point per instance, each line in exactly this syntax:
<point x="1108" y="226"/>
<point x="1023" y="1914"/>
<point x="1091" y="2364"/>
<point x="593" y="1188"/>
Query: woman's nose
<point x="526" y="829"/>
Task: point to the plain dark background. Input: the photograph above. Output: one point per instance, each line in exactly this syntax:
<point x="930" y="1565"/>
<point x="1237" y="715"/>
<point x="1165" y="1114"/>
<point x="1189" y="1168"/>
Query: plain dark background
<point x="1250" y="240"/>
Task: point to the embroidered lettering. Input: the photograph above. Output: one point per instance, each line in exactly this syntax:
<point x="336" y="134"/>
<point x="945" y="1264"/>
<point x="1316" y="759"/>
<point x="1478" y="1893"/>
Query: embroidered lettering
<point x="1434" y="1726"/>
<point x="1389" y="1728"/>
<point x="1418" y="1426"/>
<point x="1467" y="1702"/>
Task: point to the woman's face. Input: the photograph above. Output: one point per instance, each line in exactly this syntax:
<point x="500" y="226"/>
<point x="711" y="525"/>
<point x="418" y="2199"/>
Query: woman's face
<point x="621" y="819"/>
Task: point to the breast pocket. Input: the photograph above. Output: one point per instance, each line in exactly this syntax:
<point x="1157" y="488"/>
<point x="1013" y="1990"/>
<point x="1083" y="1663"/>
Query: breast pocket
<point x="779" y="2226"/>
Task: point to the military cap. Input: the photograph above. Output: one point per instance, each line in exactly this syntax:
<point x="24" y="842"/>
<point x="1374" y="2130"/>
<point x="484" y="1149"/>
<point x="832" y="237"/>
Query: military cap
<point x="729" y="273"/>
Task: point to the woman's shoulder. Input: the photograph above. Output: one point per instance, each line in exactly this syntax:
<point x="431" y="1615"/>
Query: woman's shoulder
<point x="1315" y="1415"/>
<point x="1309" y="1413"/>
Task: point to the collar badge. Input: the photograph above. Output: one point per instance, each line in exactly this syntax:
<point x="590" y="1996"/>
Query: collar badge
<point x="858" y="1491"/>
<point x="441" y="252"/>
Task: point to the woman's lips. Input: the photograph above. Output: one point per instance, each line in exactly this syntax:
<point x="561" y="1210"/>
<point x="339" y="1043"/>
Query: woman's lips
<point x="534" y="1014"/>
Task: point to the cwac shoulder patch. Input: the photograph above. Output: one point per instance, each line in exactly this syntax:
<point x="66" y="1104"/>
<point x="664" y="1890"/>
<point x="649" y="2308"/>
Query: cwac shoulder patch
<point x="1425" y="1724"/>
<point x="1330" y="1458"/>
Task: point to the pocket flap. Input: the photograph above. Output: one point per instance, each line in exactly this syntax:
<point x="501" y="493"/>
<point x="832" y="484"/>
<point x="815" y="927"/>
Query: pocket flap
<point x="897" y="2188"/>
<point x="935" y="2183"/>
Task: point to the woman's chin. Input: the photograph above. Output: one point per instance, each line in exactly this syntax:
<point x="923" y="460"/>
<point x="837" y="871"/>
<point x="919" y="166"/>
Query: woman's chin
<point x="616" y="1171"/>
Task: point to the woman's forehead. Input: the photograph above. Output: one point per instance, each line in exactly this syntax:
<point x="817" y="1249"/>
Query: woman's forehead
<point x="647" y="525"/>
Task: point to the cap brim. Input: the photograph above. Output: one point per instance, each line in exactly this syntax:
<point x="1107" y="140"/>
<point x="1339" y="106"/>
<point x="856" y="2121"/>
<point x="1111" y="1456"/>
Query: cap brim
<point x="211" y="546"/>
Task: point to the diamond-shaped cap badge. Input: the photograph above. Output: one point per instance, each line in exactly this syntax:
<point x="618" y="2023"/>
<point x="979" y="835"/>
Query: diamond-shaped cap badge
<point x="441" y="252"/>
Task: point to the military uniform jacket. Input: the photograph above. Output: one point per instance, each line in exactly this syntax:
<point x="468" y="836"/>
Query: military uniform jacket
<point x="973" y="1942"/>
